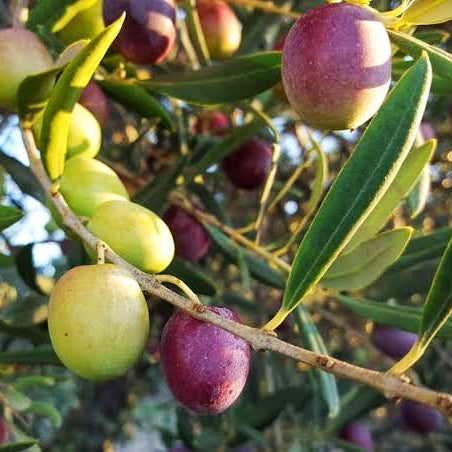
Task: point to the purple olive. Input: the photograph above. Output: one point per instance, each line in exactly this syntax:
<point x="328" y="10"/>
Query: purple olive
<point x="419" y="418"/>
<point x="215" y="123"/>
<point x="358" y="434"/>
<point x="392" y="341"/>
<point x="149" y="31"/>
<point x="205" y="367"/>
<point x="336" y="66"/>
<point x="191" y="238"/>
<point x="249" y="165"/>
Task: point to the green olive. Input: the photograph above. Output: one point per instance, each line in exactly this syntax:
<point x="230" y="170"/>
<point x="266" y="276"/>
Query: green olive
<point x="138" y="235"/>
<point x="98" y="321"/>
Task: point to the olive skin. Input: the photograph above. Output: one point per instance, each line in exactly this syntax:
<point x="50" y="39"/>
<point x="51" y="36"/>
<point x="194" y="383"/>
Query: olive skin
<point x="205" y="367"/>
<point x="248" y="166"/>
<point x="191" y="238"/>
<point x="336" y="66"/>
<point x="222" y="30"/>
<point x="98" y="321"/>
<point x="357" y="433"/>
<point x="88" y="183"/>
<point x="392" y="341"/>
<point x="419" y="418"/>
<point x="214" y="123"/>
<point x="137" y="234"/>
<point x="149" y="30"/>
<point x="21" y="54"/>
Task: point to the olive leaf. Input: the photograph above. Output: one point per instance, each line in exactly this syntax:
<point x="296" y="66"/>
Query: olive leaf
<point x="363" y="181"/>
<point x="8" y="216"/>
<point x="428" y="12"/>
<point x="57" y="115"/>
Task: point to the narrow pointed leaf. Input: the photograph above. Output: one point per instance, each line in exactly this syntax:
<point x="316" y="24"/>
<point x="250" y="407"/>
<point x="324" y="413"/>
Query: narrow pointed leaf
<point x="418" y="196"/>
<point x="42" y="355"/>
<point x="321" y="176"/>
<point x="407" y="318"/>
<point x="428" y="12"/>
<point x="137" y="100"/>
<point x="437" y="310"/>
<point x="18" y="446"/>
<point x="406" y="177"/>
<point x="16" y="400"/>
<point x="57" y="115"/>
<point x="312" y="340"/>
<point x="46" y="410"/>
<point x="432" y="36"/>
<point x="441" y="60"/>
<point x="232" y="80"/>
<point x="362" y="182"/>
<point x="367" y="262"/>
<point x="9" y="215"/>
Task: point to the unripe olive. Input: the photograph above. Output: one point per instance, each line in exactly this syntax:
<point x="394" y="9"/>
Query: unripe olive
<point x="249" y="165"/>
<point x="21" y="54"/>
<point x="392" y="341"/>
<point x="358" y="434"/>
<point x="191" y="238"/>
<point x="138" y="235"/>
<point x="205" y="367"/>
<point x="336" y="66"/>
<point x="94" y="100"/>
<point x="88" y="183"/>
<point x="222" y="30"/>
<point x="98" y="321"/>
<point x="85" y="135"/>
<point x="419" y="418"/>
<point x="87" y="24"/>
<point x="149" y="30"/>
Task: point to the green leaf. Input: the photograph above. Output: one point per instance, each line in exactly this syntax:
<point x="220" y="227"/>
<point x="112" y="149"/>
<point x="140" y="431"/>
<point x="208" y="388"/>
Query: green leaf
<point x="263" y="413"/>
<point x="193" y="276"/>
<point x="258" y="268"/>
<point x="232" y="80"/>
<point x="441" y="60"/>
<point x="367" y="262"/>
<point x="362" y="182"/>
<point x="406" y="177"/>
<point x="23" y="177"/>
<point x="18" y="446"/>
<point x="42" y="355"/>
<point x="55" y="14"/>
<point x="231" y="143"/>
<point x="418" y="196"/>
<point x="321" y="176"/>
<point x="57" y="115"/>
<point x="437" y="309"/>
<point x="155" y="194"/>
<point x="8" y="216"/>
<point x="407" y="318"/>
<point x="432" y="36"/>
<point x="312" y="340"/>
<point x="137" y="100"/>
<point x="24" y="383"/>
<point x="357" y="403"/>
<point x="26" y="268"/>
<point x="6" y="261"/>
<point x="16" y="400"/>
<point x="46" y="410"/>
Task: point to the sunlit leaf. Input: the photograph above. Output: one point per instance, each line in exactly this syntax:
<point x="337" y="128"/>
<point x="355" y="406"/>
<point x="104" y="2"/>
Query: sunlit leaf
<point x="418" y="196"/>
<point x="367" y="262"/>
<point x="428" y="12"/>
<point x="9" y="215"/>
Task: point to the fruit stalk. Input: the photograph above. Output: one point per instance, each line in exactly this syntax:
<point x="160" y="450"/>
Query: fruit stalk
<point x="392" y="387"/>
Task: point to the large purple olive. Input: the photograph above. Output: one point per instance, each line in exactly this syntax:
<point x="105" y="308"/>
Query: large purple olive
<point x="205" y="367"/>
<point x="357" y="433"/>
<point x="149" y="31"/>
<point x="336" y="66"/>
<point x="419" y="418"/>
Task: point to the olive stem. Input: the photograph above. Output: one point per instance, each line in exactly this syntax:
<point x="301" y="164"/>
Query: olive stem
<point x="100" y="248"/>
<point x="391" y="386"/>
<point x="179" y="283"/>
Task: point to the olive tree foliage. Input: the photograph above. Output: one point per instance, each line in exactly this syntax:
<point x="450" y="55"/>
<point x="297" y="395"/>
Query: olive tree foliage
<point x="195" y="157"/>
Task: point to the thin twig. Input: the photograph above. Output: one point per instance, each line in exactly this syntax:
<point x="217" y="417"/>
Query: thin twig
<point x="393" y="387"/>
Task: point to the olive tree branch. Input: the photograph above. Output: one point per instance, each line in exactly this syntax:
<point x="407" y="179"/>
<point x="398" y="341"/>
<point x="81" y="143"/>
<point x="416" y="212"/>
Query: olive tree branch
<point x="392" y="387"/>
